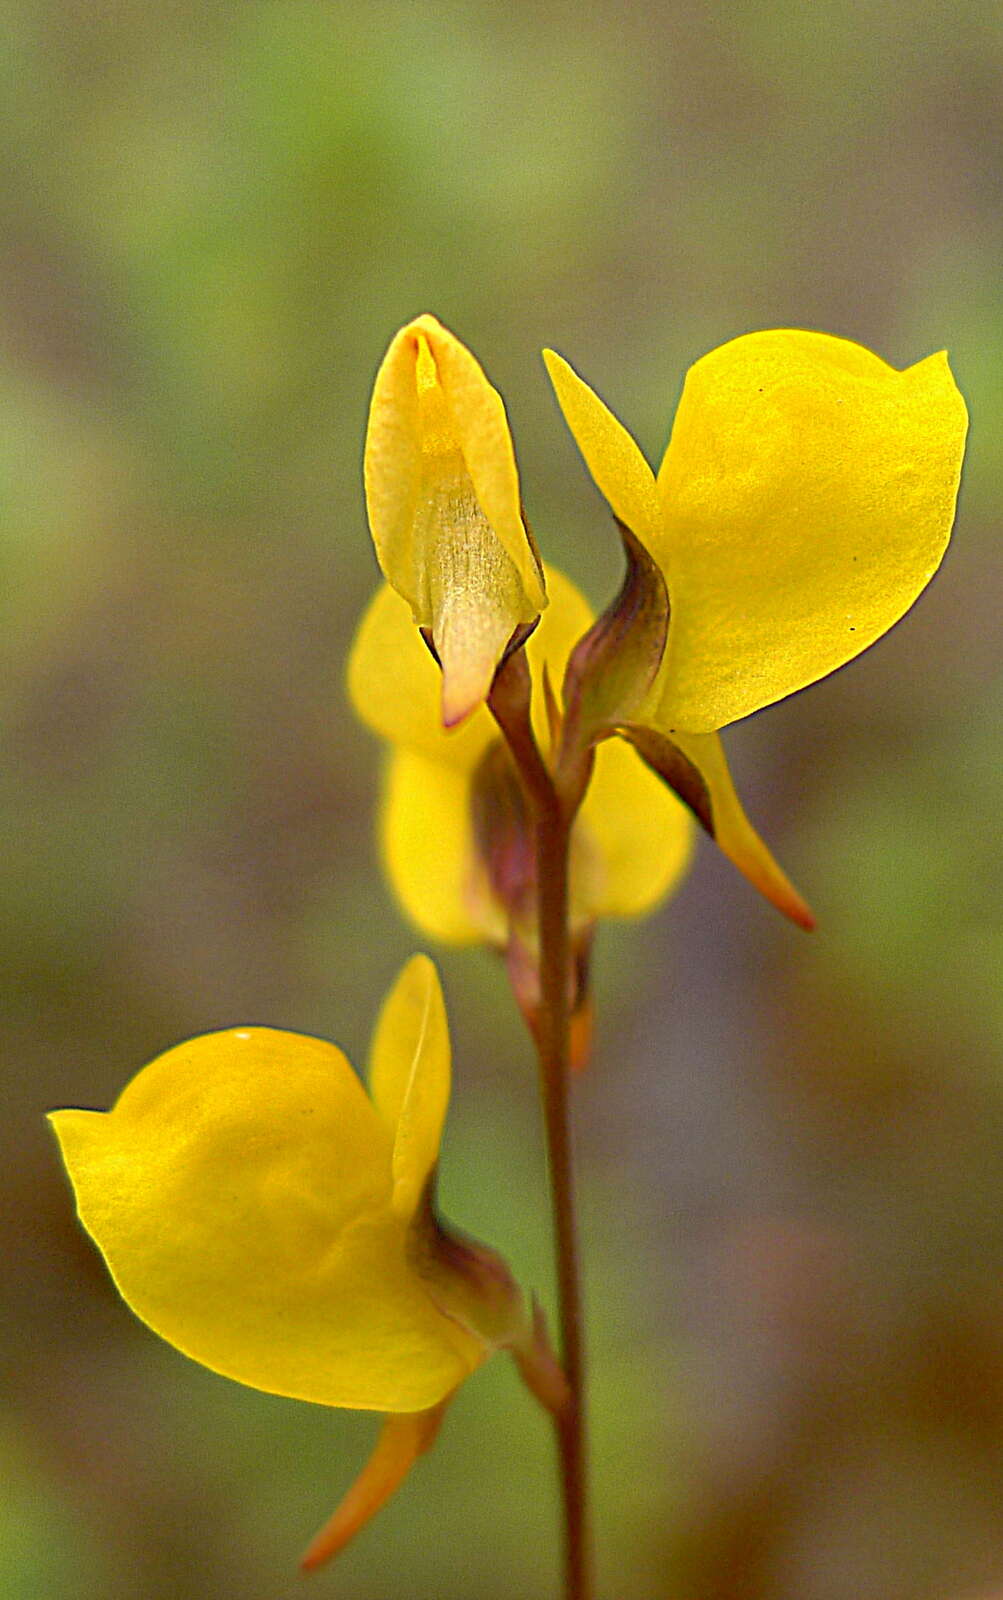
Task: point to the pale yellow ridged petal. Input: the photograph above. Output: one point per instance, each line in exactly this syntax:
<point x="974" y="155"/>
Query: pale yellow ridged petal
<point x="240" y="1192"/>
<point x="394" y="1044"/>
<point x="426" y="833"/>
<point x="806" y="499"/>
<point x="442" y="493"/>
<point x="394" y="686"/>
<point x="637" y="837"/>
<point x="481" y="425"/>
<point x="409" y="1077"/>
<point x="611" y="455"/>
<point x="470" y="633"/>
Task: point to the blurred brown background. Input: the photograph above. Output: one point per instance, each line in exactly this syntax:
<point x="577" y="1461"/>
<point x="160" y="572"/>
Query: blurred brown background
<point x="213" y="219"/>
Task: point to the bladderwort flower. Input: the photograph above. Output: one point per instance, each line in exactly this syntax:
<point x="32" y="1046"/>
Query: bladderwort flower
<point x="454" y="827"/>
<point x="442" y="493"/>
<point x="263" y="1214"/>
<point x="804" y="501"/>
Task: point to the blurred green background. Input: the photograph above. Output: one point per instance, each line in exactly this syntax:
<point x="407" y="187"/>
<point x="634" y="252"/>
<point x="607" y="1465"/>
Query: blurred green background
<point x="213" y="219"/>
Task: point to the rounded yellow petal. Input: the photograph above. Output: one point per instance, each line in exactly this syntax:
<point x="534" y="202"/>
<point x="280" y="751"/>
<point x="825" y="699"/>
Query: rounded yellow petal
<point x="806" y="499"/>
<point x="636" y="839"/>
<point x="409" y="1077"/>
<point x="426" y="833"/>
<point x="611" y="455"/>
<point x="240" y="1192"/>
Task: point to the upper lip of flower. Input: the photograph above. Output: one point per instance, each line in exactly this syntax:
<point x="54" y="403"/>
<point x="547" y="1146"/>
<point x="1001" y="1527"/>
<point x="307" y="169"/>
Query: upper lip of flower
<point x="804" y="500"/>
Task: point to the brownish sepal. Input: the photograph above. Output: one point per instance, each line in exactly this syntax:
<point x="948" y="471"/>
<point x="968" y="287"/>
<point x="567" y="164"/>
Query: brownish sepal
<point x="539" y="1367"/>
<point x="613" y="666"/>
<point x="555" y="716"/>
<point x="683" y="778"/>
<point x="468" y="1280"/>
<point x="503" y="832"/>
<point x="472" y="1284"/>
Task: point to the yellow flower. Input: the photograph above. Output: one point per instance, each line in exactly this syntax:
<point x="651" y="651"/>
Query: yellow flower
<point x="453" y="827"/>
<point x="263" y="1214"/>
<point x="442" y="492"/>
<point x="804" y="501"/>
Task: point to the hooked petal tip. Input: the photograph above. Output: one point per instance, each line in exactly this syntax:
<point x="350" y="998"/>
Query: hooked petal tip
<point x="403" y="1438"/>
<point x="463" y="692"/>
<point x="764" y="874"/>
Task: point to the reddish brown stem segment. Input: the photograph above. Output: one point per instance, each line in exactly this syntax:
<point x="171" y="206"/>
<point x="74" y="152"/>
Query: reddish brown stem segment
<point x="552" y="821"/>
<point x="553" y="836"/>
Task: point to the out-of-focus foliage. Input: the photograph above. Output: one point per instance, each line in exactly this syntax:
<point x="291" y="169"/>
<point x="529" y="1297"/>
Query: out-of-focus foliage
<point x="213" y="219"/>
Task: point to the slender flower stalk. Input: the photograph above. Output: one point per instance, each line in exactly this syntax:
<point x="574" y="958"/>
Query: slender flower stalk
<point x="553" y="816"/>
<point x="552" y="836"/>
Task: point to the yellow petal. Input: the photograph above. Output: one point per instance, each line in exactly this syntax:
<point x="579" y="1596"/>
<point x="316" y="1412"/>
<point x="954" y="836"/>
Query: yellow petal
<point x="409" y="1075"/>
<point x="426" y="825"/>
<point x="401" y="1441"/>
<point x="393" y="465"/>
<point x="426" y="834"/>
<point x="636" y="838"/>
<point x="694" y="765"/>
<point x="567" y="617"/>
<point x="611" y="455"/>
<point x="806" y="499"/>
<point x="478" y="416"/>
<point x="442" y="493"/>
<point x="470" y="635"/>
<point x="240" y="1192"/>
<point x="395" y="687"/>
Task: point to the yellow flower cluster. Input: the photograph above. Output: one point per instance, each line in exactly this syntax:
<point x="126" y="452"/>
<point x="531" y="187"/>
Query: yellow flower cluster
<point x="804" y="501"/>
<point x="256" y="1207"/>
